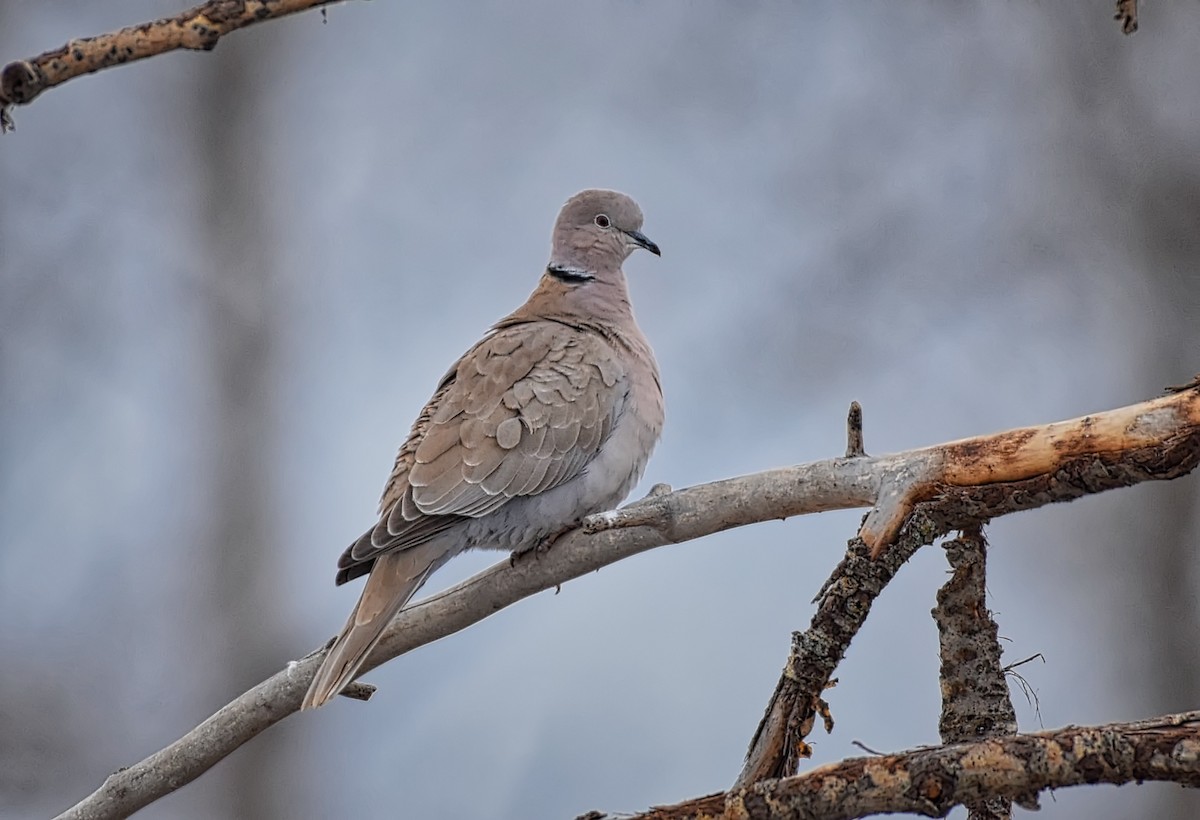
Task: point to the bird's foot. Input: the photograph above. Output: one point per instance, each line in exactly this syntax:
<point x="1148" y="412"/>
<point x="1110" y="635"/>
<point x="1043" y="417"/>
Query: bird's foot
<point x="539" y="546"/>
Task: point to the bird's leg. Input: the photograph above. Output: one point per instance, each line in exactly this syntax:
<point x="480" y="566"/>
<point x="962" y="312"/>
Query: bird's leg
<point x="540" y="545"/>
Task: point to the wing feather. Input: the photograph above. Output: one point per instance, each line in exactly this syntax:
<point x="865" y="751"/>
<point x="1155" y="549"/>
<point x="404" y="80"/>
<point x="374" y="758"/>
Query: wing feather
<point x="522" y="412"/>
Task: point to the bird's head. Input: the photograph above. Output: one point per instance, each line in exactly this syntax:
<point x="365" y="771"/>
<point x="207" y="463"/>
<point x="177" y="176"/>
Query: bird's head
<point x="595" y="232"/>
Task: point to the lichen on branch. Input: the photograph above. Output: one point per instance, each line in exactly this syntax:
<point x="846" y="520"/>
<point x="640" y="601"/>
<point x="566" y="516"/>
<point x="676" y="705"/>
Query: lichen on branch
<point x="198" y="29"/>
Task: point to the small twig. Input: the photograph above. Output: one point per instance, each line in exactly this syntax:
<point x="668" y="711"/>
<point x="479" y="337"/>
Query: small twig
<point x="854" y="432"/>
<point x="358" y="691"/>
<point x="1035" y="656"/>
<point x="1181" y="388"/>
<point x="1127" y="15"/>
<point x="860" y="745"/>
<point x="1031" y="695"/>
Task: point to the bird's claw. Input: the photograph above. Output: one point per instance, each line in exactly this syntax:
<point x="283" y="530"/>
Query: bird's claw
<point x="539" y="546"/>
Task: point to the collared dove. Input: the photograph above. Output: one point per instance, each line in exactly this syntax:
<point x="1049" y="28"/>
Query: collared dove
<point x="549" y="418"/>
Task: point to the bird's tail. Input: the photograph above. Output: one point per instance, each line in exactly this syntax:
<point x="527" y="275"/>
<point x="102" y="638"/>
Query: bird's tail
<point x="394" y="579"/>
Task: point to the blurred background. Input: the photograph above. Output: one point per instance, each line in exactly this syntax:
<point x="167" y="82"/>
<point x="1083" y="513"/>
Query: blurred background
<point x="229" y="281"/>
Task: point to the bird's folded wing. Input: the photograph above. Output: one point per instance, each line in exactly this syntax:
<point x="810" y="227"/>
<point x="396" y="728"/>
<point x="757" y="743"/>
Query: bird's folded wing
<point x="522" y="412"/>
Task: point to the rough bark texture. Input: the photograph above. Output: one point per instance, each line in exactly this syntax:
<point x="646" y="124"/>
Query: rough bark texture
<point x="980" y="478"/>
<point x="1016" y="469"/>
<point x="932" y="782"/>
<point x="198" y="28"/>
<point x="845" y="601"/>
<point x="1158" y="439"/>
<point x="975" y="699"/>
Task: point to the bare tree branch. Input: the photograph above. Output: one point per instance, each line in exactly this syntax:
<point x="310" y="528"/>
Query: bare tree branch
<point x="1021" y="469"/>
<point x="1006" y="466"/>
<point x="198" y="28"/>
<point x="933" y="781"/>
<point x="843" y="605"/>
<point x="1022" y="466"/>
<point x="975" y="697"/>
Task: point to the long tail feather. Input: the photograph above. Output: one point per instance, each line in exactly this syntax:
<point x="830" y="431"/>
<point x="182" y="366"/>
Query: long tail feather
<point x="394" y="579"/>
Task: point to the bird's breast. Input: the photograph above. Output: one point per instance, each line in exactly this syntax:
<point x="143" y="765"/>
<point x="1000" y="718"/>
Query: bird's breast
<point x="606" y="480"/>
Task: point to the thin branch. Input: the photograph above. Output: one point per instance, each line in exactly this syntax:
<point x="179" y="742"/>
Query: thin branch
<point x="933" y="781"/>
<point x="975" y="698"/>
<point x="1162" y="442"/>
<point x="779" y="743"/>
<point x="198" y="29"/>
<point x="1183" y="388"/>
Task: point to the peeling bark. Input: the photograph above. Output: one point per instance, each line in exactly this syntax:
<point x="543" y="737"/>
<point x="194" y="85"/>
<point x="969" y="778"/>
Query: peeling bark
<point x="975" y="699"/>
<point x="934" y="781"/>
<point x="1154" y="440"/>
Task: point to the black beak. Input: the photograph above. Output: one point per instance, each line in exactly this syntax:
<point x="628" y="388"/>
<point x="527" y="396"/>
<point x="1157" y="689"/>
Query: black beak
<point x="643" y="241"/>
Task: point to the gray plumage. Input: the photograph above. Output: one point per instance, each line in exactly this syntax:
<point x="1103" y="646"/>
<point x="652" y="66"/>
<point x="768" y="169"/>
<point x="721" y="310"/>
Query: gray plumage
<point x="549" y="418"/>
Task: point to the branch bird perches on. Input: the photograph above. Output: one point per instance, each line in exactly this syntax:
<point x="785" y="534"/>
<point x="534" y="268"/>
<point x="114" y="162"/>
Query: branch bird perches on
<point x="917" y="493"/>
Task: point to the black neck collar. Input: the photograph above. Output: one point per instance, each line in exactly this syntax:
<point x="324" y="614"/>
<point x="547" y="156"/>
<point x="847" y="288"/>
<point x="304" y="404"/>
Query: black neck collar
<point x="566" y="274"/>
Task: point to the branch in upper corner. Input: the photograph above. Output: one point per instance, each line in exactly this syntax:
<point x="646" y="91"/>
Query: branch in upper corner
<point x="197" y="28"/>
<point x="975" y="697"/>
<point x="933" y="781"/>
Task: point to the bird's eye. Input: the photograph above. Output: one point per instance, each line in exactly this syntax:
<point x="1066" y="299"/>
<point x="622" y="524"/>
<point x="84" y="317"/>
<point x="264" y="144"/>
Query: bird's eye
<point x="602" y="220"/>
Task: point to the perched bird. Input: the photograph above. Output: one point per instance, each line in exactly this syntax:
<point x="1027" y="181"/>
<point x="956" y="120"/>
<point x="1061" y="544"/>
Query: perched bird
<point x="549" y="418"/>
